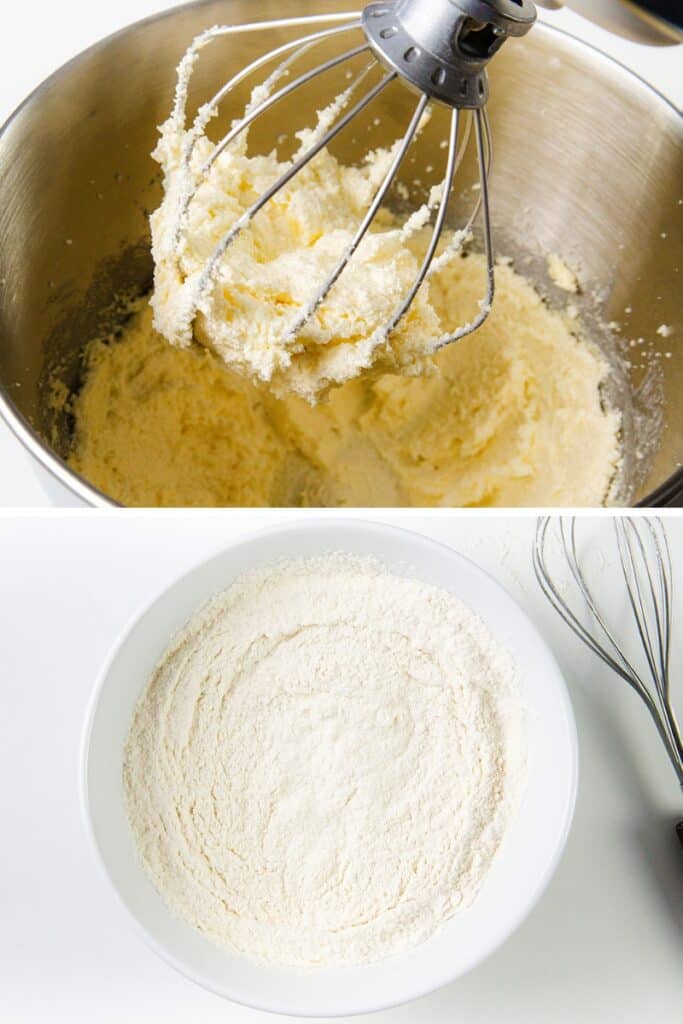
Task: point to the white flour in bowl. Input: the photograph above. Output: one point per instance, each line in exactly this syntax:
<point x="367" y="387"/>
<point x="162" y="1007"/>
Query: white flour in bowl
<point x="325" y="763"/>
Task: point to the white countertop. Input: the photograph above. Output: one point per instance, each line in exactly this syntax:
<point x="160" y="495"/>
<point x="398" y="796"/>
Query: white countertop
<point x="42" y="40"/>
<point x="604" y="943"/>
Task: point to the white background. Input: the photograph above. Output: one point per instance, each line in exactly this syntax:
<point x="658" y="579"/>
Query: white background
<point x="603" y="945"/>
<point x="39" y="37"/>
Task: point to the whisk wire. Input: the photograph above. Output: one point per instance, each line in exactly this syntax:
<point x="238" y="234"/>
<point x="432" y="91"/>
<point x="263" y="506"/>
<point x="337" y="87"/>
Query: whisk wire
<point x="286" y="177"/>
<point x="275" y="97"/>
<point x="349" y="19"/>
<point x="299" y="46"/>
<point x="562" y="608"/>
<point x="631" y="546"/>
<point x="367" y="221"/>
<point x="569" y="542"/>
<point x="451" y="168"/>
<point x="661" y="609"/>
<point x="663" y="606"/>
<point x="252" y="113"/>
<point x="665" y="574"/>
<point x="460" y="237"/>
<point x="647" y="570"/>
<point x="484" y="155"/>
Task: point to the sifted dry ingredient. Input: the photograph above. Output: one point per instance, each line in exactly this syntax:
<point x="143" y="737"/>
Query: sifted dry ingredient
<point x="325" y="763"/>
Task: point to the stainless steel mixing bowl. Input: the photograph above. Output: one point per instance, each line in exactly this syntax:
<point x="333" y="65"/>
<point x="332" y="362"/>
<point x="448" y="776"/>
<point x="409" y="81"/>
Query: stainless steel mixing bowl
<point x="588" y="157"/>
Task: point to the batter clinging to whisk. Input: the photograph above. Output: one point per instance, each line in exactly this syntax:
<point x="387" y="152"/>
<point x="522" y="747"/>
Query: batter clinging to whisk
<point x="240" y="266"/>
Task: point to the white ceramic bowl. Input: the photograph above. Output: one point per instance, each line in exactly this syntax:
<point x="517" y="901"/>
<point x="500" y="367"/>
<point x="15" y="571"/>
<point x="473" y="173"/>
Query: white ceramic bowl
<point x="520" y="873"/>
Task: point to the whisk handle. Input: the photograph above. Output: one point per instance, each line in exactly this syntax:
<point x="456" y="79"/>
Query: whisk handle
<point x="679" y="832"/>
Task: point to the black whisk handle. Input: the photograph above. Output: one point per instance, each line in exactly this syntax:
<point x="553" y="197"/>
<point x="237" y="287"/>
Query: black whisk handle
<point x="679" y="832"/>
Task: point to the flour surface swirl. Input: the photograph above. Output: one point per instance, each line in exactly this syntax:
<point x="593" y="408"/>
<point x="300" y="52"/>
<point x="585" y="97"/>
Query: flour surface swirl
<point x="325" y="763"/>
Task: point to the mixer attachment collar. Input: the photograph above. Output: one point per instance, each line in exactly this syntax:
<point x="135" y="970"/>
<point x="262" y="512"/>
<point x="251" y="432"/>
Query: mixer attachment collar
<point x="442" y="47"/>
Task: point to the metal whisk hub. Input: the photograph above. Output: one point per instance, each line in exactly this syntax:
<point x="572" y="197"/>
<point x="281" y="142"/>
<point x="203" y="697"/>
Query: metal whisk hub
<point x="442" y="47"/>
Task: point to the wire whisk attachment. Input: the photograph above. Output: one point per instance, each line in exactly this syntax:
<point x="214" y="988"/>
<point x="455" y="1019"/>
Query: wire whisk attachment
<point x="440" y="49"/>
<point x="645" y="559"/>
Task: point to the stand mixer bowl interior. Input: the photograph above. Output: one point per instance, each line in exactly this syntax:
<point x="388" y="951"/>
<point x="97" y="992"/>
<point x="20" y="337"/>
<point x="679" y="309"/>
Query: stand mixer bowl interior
<point x="588" y="163"/>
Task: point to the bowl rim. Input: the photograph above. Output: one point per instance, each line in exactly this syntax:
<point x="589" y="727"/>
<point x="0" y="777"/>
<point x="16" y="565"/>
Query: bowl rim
<point x="663" y="495"/>
<point x="250" y="539"/>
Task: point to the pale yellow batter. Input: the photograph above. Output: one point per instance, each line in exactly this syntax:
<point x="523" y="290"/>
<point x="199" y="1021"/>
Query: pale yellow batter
<point x="512" y="417"/>
<point x="255" y="311"/>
